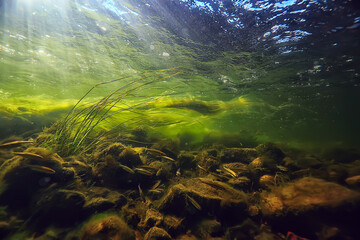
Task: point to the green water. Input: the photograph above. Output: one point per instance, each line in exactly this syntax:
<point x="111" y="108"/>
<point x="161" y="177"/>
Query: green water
<point x="52" y="52"/>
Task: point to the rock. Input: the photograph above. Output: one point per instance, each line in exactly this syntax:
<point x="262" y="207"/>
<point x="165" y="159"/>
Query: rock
<point x="271" y="151"/>
<point x="170" y="146"/>
<point x="342" y="155"/>
<point x="82" y="170"/>
<point x="110" y="227"/>
<point x="112" y="174"/>
<point x="204" y="195"/>
<point x="237" y="167"/>
<point x="246" y="230"/>
<point x="305" y="195"/>
<point x="257" y="163"/>
<point x="22" y="176"/>
<point x="253" y="210"/>
<point x="333" y="232"/>
<point x="134" y="212"/>
<point x="129" y="157"/>
<point x="207" y="229"/>
<point x="214" y="152"/>
<point x="163" y="170"/>
<point x="256" y="168"/>
<point x="59" y="207"/>
<point x="97" y="205"/>
<point x="132" y="217"/>
<point x="353" y="168"/>
<point x="206" y="164"/>
<point x="336" y="173"/>
<point x="152" y="218"/>
<point x="186" y="160"/>
<point x="244" y="155"/>
<point x="117" y="198"/>
<point x="113" y="197"/>
<point x="266" y="234"/>
<point x="267" y="180"/>
<point x="156" y="233"/>
<point x="353" y="181"/>
<point x="173" y="224"/>
<point x="114" y="150"/>
<point x="308" y="161"/>
<point x="240" y="182"/>
<point x="289" y="162"/>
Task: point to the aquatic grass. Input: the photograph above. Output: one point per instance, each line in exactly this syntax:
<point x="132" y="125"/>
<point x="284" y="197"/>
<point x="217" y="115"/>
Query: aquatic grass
<point x="79" y="131"/>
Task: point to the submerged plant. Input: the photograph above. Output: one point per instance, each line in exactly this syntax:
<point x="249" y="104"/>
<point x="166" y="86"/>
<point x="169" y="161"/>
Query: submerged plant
<point x="80" y="130"/>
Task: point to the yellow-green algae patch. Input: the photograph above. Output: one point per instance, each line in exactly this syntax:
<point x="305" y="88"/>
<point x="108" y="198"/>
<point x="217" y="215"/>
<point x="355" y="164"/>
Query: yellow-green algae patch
<point x="33" y="105"/>
<point x="192" y="120"/>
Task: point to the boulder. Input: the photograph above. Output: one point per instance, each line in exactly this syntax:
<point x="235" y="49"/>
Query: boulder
<point x="353" y="181"/>
<point x="271" y="151"/>
<point x="206" y="196"/>
<point x="244" y="155"/>
<point x="307" y="205"/>
<point x="304" y="195"/>
<point x="58" y="207"/>
<point x="22" y="176"/>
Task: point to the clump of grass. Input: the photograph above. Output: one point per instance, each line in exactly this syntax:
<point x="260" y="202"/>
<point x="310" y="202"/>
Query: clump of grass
<point x="79" y="131"/>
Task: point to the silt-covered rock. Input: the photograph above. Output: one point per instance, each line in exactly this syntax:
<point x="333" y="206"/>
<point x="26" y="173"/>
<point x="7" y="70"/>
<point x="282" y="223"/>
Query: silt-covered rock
<point x="206" y="196"/>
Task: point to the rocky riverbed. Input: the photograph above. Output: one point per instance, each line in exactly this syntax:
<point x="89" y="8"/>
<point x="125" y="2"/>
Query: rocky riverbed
<point x="120" y="190"/>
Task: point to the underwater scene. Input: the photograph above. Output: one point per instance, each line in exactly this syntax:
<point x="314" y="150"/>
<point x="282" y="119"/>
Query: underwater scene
<point x="179" y="119"/>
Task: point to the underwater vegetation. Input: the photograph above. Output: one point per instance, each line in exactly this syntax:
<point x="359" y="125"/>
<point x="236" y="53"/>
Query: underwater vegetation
<point x="77" y="131"/>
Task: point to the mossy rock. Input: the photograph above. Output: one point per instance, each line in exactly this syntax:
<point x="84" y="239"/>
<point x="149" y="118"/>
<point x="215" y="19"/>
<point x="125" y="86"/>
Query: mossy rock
<point x="204" y="196"/>
<point x="305" y="195"/>
<point x="60" y="207"/>
<point x="23" y="175"/>
<point x="315" y="204"/>
<point x="244" y="155"/>
<point x="106" y="227"/>
<point x="207" y="229"/>
<point x="270" y="150"/>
